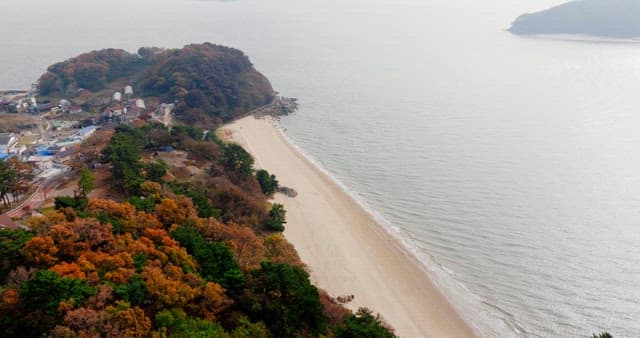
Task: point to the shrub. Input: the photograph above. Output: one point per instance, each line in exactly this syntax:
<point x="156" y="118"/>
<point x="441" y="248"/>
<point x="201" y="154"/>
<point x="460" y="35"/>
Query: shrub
<point x="216" y="260"/>
<point x="78" y="204"/>
<point x="47" y="289"/>
<point x="362" y="324"/>
<point x="277" y="217"/>
<point x="282" y="296"/>
<point x="268" y="183"/>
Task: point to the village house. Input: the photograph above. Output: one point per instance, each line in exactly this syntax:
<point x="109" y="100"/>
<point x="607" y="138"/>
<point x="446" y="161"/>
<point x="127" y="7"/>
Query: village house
<point x="77" y="137"/>
<point x="44" y="107"/>
<point x="41" y="162"/>
<point x="85" y="132"/>
<point x="8" y="142"/>
<point x="164" y="114"/>
<point x="67" y="155"/>
<point x="75" y="109"/>
<point x="55" y="149"/>
<point x="128" y="92"/>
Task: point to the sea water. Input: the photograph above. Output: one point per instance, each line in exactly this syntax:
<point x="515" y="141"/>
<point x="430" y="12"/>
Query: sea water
<point x="508" y="165"/>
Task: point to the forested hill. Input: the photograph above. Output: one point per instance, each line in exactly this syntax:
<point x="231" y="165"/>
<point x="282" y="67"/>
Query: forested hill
<point x="605" y="18"/>
<point x="184" y="250"/>
<point x="210" y="83"/>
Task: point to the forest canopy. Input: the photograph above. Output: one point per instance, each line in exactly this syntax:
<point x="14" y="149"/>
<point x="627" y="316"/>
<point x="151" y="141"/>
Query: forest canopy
<point x="209" y="83"/>
<point x="174" y="258"/>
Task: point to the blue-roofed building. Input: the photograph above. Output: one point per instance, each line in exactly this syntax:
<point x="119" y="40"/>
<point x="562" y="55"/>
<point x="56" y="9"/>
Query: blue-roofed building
<point x="54" y="150"/>
<point x="40" y="149"/>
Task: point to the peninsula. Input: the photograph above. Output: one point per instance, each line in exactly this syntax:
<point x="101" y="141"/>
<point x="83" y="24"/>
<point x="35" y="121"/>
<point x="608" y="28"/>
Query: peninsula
<point x="601" y="18"/>
<point x="140" y="200"/>
<point x="125" y="216"/>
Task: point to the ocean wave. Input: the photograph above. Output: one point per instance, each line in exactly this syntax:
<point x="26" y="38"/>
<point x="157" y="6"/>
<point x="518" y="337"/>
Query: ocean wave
<point x="486" y="318"/>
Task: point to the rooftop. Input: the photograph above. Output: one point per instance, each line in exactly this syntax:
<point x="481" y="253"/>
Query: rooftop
<point x="67" y="152"/>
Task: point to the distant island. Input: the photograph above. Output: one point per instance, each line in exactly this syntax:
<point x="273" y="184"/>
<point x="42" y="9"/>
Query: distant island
<point x="602" y="18"/>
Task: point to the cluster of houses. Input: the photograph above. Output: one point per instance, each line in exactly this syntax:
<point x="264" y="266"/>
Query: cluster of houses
<point x="126" y="108"/>
<point x="48" y="151"/>
<point x="26" y="102"/>
<point x="122" y="108"/>
<point x="46" y="155"/>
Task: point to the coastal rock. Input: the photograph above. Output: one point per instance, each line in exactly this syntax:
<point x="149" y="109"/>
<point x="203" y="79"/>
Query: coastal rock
<point x="289" y="192"/>
<point x="278" y="107"/>
<point x="345" y="299"/>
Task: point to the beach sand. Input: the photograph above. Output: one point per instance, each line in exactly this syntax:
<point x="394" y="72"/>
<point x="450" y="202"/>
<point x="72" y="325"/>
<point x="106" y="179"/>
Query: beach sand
<point x="346" y="251"/>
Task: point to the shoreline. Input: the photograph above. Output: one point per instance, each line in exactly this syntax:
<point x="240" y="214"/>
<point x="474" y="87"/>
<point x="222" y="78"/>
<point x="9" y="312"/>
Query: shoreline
<point x="346" y="250"/>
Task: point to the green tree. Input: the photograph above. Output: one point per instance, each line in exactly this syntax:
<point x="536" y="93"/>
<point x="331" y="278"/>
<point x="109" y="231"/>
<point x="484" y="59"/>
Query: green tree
<point x="134" y="292"/>
<point x="247" y="329"/>
<point x="15" y="178"/>
<point x="179" y="325"/>
<point x="362" y="324"/>
<point x="86" y="183"/>
<point x="277" y="217"/>
<point x="11" y="243"/>
<point x="602" y="335"/>
<point x="200" y="200"/>
<point x="268" y="183"/>
<point x="145" y="204"/>
<point x="47" y="289"/>
<point x="282" y="296"/>
<point x="212" y="137"/>
<point x="216" y="260"/>
<point x="78" y="204"/>
<point x="124" y="152"/>
<point x="7" y="176"/>
<point x="187" y="131"/>
<point x="156" y="170"/>
<point x="237" y="160"/>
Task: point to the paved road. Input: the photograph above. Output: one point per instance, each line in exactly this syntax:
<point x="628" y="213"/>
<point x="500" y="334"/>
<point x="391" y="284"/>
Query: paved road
<point x="44" y="191"/>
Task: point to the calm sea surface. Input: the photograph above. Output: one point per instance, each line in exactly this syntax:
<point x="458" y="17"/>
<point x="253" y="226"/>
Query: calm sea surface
<point x="509" y="165"/>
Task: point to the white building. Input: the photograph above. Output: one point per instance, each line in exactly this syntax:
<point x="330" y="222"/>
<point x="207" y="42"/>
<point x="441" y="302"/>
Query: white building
<point x="85" y="132"/>
<point x="78" y="137"/>
<point x="117" y="96"/>
<point x="140" y="104"/>
<point x="8" y="143"/>
<point x="41" y="162"/>
<point x="164" y="114"/>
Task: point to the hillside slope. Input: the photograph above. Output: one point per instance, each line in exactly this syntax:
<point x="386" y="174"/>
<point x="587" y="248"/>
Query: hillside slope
<point x="209" y="83"/>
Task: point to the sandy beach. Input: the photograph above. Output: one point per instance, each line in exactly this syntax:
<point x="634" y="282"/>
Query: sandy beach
<point x="346" y="250"/>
